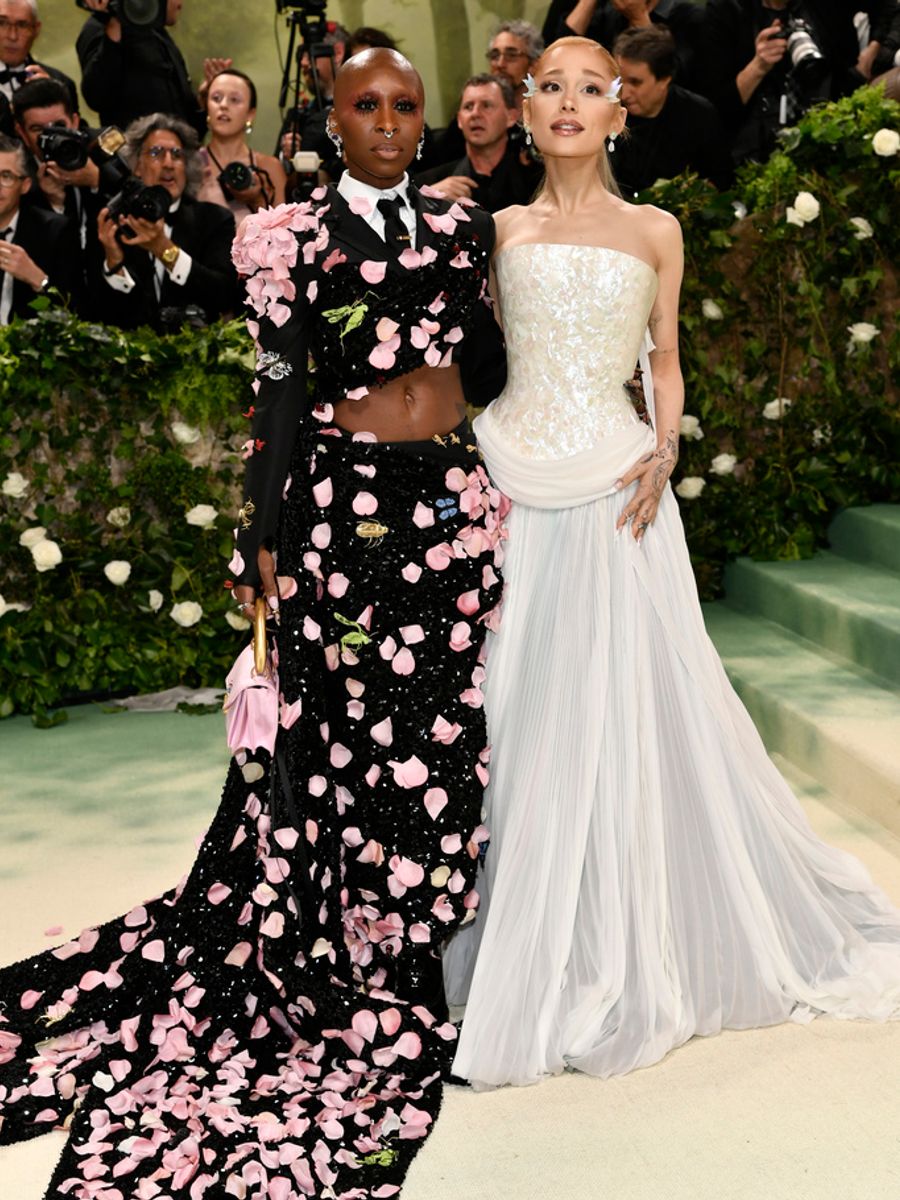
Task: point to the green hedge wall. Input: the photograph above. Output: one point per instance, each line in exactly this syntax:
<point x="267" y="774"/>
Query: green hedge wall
<point x="120" y="453"/>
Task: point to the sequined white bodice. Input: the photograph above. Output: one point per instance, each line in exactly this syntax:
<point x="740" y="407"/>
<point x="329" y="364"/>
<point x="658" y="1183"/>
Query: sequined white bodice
<point x="574" y="319"/>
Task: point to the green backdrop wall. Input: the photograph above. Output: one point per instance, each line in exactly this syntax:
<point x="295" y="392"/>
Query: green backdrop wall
<point x="446" y="39"/>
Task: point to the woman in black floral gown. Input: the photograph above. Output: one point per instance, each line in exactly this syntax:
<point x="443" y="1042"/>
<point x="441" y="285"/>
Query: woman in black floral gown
<point x="276" y="1027"/>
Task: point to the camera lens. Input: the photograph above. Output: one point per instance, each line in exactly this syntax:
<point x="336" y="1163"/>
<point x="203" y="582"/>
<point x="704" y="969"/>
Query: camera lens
<point x="141" y="12"/>
<point x="68" y="148"/>
<point x="237" y="177"/>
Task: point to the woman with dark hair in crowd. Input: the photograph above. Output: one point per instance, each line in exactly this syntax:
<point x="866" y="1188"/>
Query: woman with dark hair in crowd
<point x="233" y="173"/>
<point x="276" y="1026"/>
<point x="650" y="877"/>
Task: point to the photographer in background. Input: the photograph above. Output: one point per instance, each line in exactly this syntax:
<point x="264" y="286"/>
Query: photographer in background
<point x="176" y="267"/>
<point x="670" y="129"/>
<point x="19" y="29"/>
<point x="233" y="174"/>
<point x="607" y="20"/>
<point x="766" y="63"/>
<point x="50" y="129"/>
<point x="129" y="70"/>
<point x="492" y="172"/>
<point x="304" y="128"/>
<point x="38" y="250"/>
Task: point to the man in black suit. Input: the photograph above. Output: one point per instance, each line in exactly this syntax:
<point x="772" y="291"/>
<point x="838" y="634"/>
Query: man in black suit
<point x="670" y="129"/>
<point x="492" y="172"/>
<point x="19" y="28"/>
<point x="178" y="268"/>
<point x="129" y="71"/>
<point x="38" y="250"/>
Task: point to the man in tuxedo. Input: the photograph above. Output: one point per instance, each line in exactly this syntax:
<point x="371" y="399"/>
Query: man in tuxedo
<point x="129" y="71"/>
<point x="178" y="268"/>
<point x="37" y="106"/>
<point x="19" y="28"/>
<point x="38" y="250"/>
<point x="492" y="171"/>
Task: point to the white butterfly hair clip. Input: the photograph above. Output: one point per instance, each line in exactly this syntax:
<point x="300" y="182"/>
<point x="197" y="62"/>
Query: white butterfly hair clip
<point x="530" y="86"/>
<point x="612" y="93"/>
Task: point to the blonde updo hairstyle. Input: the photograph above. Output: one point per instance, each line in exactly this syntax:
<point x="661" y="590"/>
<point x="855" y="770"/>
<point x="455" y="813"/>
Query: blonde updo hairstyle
<point x="610" y="64"/>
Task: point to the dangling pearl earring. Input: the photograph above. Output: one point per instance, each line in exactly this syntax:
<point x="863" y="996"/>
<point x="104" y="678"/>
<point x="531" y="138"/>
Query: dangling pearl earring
<point x="420" y="146"/>
<point x="611" y="144"/>
<point x="248" y="128"/>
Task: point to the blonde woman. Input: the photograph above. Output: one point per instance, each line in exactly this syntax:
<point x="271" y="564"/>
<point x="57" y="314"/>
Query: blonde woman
<point x="650" y="875"/>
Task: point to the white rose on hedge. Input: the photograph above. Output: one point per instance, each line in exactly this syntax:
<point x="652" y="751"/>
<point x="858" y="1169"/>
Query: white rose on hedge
<point x="202" y="515"/>
<point x="690" y="487"/>
<point x="11" y="607"/>
<point x="712" y="311"/>
<point x="793" y="217"/>
<point x="886" y="143"/>
<point x="776" y="409"/>
<point x="155" y="599"/>
<point x="690" y="428"/>
<point x="117" y="571"/>
<point x="862" y="228"/>
<point x="186" y="614"/>
<point x="46" y="554"/>
<point x="806" y="206"/>
<point x="186" y="434"/>
<point x="862" y="332"/>
<point x="15" y="484"/>
<point x="723" y="464"/>
<point x="32" y="536"/>
<point x="120" y="516"/>
<point x="236" y="621"/>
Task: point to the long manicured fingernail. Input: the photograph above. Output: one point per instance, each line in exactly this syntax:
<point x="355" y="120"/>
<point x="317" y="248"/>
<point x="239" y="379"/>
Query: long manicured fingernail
<point x="272" y="602"/>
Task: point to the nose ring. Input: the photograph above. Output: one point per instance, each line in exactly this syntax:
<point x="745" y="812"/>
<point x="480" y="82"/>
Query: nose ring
<point x="388" y="133"/>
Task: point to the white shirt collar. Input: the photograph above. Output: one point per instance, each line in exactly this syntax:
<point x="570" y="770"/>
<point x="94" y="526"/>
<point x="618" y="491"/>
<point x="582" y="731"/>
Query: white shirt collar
<point x="350" y="187"/>
<point x="13" y="224"/>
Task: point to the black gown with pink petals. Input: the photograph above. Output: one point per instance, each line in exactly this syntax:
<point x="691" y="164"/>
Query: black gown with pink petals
<point x="276" y="1027"/>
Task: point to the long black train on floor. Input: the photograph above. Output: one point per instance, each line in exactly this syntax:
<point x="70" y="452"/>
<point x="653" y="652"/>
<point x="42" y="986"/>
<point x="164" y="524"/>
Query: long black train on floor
<point x="276" y="1027"/>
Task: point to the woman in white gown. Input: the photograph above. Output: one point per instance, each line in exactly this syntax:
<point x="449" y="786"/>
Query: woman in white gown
<point x="650" y="875"/>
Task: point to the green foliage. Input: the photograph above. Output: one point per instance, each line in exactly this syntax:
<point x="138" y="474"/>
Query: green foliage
<point x="788" y="295"/>
<point x="91" y="417"/>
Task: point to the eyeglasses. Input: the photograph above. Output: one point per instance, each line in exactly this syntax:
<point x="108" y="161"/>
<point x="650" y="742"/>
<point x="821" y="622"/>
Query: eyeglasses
<point x="508" y="55"/>
<point x="17" y="27"/>
<point x="8" y="178"/>
<point x="157" y="152"/>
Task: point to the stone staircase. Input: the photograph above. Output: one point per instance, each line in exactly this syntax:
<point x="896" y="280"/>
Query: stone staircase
<point x="813" y="649"/>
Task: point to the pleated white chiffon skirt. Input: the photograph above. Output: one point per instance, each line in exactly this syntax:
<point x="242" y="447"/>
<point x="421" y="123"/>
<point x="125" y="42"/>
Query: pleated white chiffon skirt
<point x="650" y="876"/>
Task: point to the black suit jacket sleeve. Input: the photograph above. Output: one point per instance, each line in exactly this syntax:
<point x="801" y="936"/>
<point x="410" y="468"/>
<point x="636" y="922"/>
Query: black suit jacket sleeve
<point x="280" y="402"/>
<point x="51" y="241"/>
<point x="102" y="66"/>
<point x="729" y="44"/>
<point x="206" y="232"/>
<point x="482" y="362"/>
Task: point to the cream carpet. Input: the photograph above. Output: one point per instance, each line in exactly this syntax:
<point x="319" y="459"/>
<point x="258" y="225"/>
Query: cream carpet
<point x="106" y="810"/>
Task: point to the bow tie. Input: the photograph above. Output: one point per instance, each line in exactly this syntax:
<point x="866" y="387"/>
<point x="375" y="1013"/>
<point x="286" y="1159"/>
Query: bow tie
<point x="12" y="75"/>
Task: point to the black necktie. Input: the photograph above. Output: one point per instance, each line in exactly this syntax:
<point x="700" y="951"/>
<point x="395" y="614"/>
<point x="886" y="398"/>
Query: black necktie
<point x="396" y="234"/>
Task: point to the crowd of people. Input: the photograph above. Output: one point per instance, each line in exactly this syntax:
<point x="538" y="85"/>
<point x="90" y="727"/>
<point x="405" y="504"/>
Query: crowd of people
<point x="136" y="229"/>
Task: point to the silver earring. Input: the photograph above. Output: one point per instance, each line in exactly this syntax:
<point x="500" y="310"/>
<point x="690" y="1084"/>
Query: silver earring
<point x="248" y="128"/>
<point x="611" y="144"/>
<point x="527" y="136"/>
<point x="420" y="146"/>
<point x="335" y="137"/>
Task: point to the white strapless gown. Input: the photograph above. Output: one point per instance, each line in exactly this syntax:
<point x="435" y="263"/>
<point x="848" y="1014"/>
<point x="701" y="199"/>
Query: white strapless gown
<point x="650" y="875"/>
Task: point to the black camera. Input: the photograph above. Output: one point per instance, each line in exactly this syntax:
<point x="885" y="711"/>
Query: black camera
<point x="236" y="177"/>
<point x="136" y="199"/>
<point x="68" y="148"/>
<point x="808" y="64"/>
<point x="142" y="14"/>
